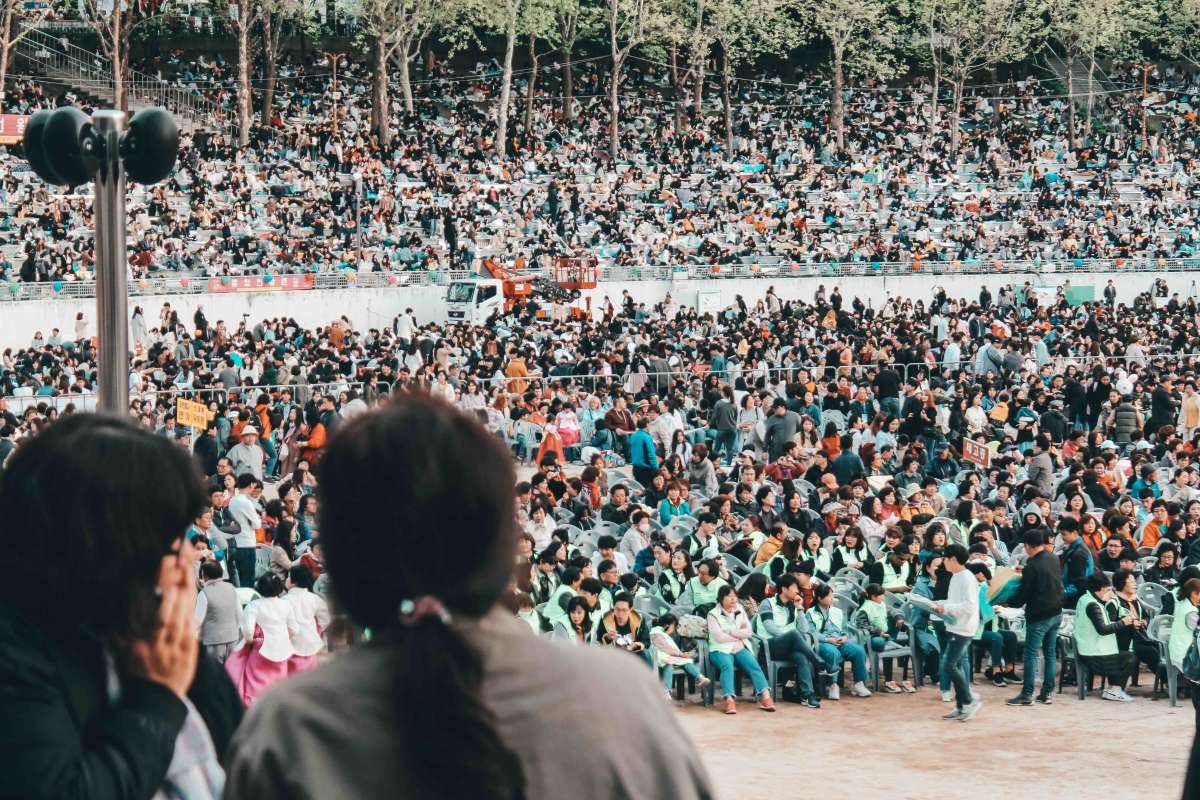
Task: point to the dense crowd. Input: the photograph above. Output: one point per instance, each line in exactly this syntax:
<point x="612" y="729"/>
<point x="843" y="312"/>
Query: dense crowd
<point x="824" y="461"/>
<point x="438" y="198"/>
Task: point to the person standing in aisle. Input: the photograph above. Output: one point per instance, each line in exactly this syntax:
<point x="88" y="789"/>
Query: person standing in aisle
<point x="961" y="608"/>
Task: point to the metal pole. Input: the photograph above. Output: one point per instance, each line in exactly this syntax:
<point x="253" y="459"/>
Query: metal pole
<point x="112" y="265"/>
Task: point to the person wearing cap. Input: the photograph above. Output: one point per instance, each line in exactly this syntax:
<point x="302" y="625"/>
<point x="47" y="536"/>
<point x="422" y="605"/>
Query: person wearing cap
<point x="247" y="455"/>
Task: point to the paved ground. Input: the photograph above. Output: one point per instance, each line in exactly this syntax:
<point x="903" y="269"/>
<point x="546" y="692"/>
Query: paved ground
<point x="1125" y="750"/>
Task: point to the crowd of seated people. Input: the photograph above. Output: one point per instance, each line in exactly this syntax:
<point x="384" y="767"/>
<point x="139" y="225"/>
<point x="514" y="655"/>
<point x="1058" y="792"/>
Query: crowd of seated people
<point x="436" y="197"/>
<point x="757" y="487"/>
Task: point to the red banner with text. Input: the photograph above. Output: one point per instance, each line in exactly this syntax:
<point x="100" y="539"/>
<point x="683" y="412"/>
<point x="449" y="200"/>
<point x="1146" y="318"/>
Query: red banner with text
<point x="261" y="283"/>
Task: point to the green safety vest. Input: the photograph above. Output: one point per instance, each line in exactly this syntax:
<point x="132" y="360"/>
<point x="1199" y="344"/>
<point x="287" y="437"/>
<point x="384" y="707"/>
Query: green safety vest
<point x="822" y="561"/>
<point x="765" y="567"/>
<point x="819" y="617"/>
<point x="554" y="606"/>
<point x="728" y="625"/>
<point x="702" y="594"/>
<point x="1088" y="640"/>
<point x="875" y="613"/>
<point x="893" y="577"/>
<point x="779" y="615"/>
<point x="1181" y="634"/>
<point x="676" y="586"/>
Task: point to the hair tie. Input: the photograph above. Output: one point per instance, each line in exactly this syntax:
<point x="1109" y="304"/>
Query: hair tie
<point x="413" y="611"/>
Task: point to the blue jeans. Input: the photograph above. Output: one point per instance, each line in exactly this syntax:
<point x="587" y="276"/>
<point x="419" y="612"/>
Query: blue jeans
<point x="954" y="667"/>
<point x="1001" y="645"/>
<point x="269" y="450"/>
<point x="1041" y="636"/>
<point x="668" y="673"/>
<point x="727" y="441"/>
<point x="834" y="655"/>
<point x="792" y="647"/>
<point x="743" y="660"/>
<point x="944" y="683"/>
<point x="890" y="406"/>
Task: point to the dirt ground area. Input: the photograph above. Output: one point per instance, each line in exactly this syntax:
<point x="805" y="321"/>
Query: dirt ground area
<point x="1138" y="749"/>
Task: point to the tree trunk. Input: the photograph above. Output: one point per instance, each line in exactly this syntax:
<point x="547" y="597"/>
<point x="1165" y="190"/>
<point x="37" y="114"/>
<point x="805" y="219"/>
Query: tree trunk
<point x="505" y="90"/>
<point x="1071" y="99"/>
<point x="380" y="113"/>
<point x="956" y="113"/>
<point x="118" y="68"/>
<point x="405" y="83"/>
<point x="1091" y="90"/>
<point x="5" y="46"/>
<point x="1145" y="91"/>
<point x="244" y="98"/>
<point x="699" y="54"/>
<point x="614" y="108"/>
<point x="933" y="100"/>
<point x="726" y="100"/>
<point x="272" y="30"/>
<point x="676" y="89"/>
<point x="533" y="76"/>
<point x="568" y="80"/>
<point x="837" y="111"/>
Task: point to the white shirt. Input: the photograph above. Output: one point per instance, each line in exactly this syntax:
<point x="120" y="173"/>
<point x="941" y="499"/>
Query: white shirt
<point x="277" y="620"/>
<point x="962" y="604"/>
<point x="312" y="616"/>
<point x="242" y="509"/>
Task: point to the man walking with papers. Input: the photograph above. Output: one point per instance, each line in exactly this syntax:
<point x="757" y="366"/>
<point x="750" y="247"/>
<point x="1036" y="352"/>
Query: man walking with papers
<point x="961" y="612"/>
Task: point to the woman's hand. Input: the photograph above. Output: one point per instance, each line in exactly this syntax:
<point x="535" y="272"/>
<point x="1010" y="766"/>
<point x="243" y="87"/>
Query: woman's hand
<point x="169" y="655"/>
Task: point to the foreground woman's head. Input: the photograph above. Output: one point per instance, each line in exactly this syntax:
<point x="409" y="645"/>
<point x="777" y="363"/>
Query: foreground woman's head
<point x="417" y="523"/>
<point x="88" y="509"/>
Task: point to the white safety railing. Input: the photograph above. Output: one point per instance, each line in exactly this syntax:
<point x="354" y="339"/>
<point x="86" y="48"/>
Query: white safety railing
<point x="199" y="284"/>
<point x="301" y="393"/>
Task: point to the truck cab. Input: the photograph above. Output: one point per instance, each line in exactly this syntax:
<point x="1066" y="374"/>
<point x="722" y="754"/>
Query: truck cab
<point x="473" y="301"/>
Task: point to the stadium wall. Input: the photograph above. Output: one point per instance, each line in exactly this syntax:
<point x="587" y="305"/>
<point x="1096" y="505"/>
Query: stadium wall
<point x="376" y="307"/>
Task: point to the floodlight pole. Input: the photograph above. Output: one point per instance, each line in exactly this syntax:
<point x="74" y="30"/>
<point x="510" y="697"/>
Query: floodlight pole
<point x="112" y="265"/>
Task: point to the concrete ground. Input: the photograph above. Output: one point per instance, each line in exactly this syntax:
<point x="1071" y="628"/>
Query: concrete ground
<point x="898" y="746"/>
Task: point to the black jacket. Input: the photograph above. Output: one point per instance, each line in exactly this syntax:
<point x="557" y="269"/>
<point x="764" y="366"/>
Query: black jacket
<point x="61" y="738"/>
<point x="1041" y="589"/>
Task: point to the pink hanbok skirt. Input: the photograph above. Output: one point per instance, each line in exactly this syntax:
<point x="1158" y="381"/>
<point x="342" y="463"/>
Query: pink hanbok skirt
<point x="251" y="673"/>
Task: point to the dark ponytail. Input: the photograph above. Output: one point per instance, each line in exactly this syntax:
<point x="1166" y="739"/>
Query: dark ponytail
<point x="389" y="478"/>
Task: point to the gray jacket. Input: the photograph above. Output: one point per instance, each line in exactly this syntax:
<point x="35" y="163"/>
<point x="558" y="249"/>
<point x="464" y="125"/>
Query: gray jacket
<point x="335" y="728"/>
<point x="1041" y="473"/>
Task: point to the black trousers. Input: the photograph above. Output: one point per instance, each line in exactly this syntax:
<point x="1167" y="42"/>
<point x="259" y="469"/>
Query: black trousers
<point x="1118" y="667"/>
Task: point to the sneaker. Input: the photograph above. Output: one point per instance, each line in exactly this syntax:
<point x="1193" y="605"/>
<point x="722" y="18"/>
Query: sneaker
<point x="947" y="696"/>
<point x="1019" y="700"/>
<point x="765" y="702"/>
<point x="834" y="692"/>
<point x="974" y="696"/>
<point x="703" y="681"/>
<point x="908" y="688"/>
<point x="999" y="681"/>
<point x="730" y="705"/>
<point x="1116" y="694"/>
<point x="954" y="715"/>
<point x="860" y="689"/>
<point x="812" y="701"/>
<point x="1011" y="677"/>
<point x="1045" y="699"/>
<point x="971" y="710"/>
<point x="891" y="687"/>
